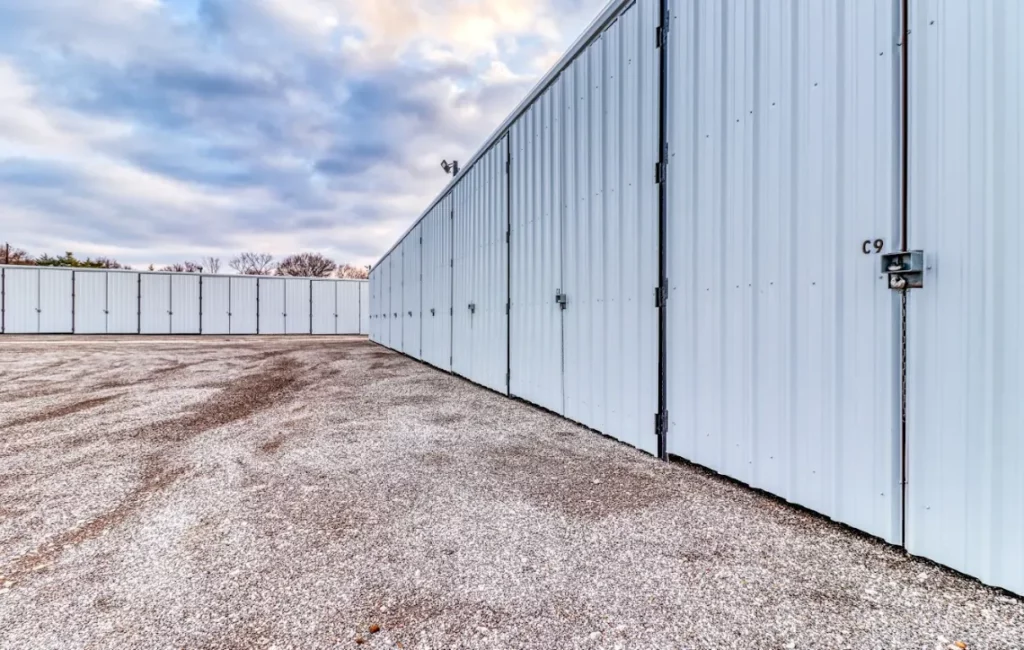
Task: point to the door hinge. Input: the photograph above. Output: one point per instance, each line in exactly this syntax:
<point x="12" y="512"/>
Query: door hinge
<point x="508" y="308"/>
<point x="508" y="377"/>
<point x="508" y="236"/>
<point x="661" y="296"/>
<point x="661" y="424"/>
<point x="662" y="30"/>
<point x="561" y="299"/>
<point x="660" y="169"/>
<point x="451" y="311"/>
<point x="451" y="263"/>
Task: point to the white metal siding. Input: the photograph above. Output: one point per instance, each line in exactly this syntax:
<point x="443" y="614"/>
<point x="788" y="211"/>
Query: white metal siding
<point x="364" y="307"/>
<point x="216" y="305"/>
<point x="272" y="309"/>
<point x="480" y="276"/>
<point x="965" y="366"/>
<point x="348" y="296"/>
<point x="185" y="304"/>
<point x="56" y="301"/>
<point x="395" y="311"/>
<point x="384" y="309"/>
<point x="372" y="289"/>
<point x="155" y="304"/>
<point x="536" y="251"/>
<point x="90" y="302"/>
<point x="611" y="231"/>
<point x="325" y="306"/>
<point x="436" y="306"/>
<point x="122" y="303"/>
<point x="244" y="301"/>
<point x="782" y="363"/>
<point x="21" y="301"/>
<point x="297" y="306"/>
<point x="411" y="294"/>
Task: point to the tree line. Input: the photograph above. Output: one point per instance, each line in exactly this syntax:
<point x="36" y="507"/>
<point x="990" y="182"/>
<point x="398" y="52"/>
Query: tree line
<point x="313" y="265"/>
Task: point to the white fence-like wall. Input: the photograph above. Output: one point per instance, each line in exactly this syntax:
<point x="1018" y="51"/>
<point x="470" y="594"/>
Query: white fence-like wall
<point x="47" y="300"/>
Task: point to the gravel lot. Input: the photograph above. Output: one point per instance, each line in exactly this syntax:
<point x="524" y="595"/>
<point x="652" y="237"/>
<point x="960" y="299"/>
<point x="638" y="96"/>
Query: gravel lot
<point x="292" y="493"/>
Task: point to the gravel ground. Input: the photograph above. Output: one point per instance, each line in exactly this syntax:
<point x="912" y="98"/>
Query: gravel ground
<point x="292" y="493"/>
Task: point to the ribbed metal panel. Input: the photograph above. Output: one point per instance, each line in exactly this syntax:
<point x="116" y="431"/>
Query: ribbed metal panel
<point x="537" y="209"/>
<point x="348" y="295"/>
<point x="395" y="315"/>
<point x="122" y="303"/>
<point x="272" y="308"/>
<point x="155" y="304"/>
<point x="244" y="305"/>
<point x="216" y="305"/>
<point x="372" y="287"/>
<point x="325" y="306"/>
<point x="364" y="308"/>
<point x="297" y="306"/>
<point x="185" y="304"/>
<point x="411" y="281"/>
<point x="610" y="232"/>
<point x="480" y="276"/>
<point x="56" y="301"/>
<point x="21" y="301"/>
<point x="782" y="340"/>
<point x="436" y="231"/>
<point x="384" y="282"/>
<point x="965" y="364"/>
<point x="90" y="302"/>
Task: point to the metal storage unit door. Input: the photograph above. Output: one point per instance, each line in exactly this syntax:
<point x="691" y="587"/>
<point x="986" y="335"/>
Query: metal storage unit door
<point x="216" y="317"/>
<point x="610" y="231"/>
<point x="56" y="301"/>
<point x="244" y="305"/>
<point x="272" y="310"/>
<point x="185" y="304"/>
<point x="347" y="295"/>
<point x="537" y="206"/>
<point x="122" y="303"/>
<point x="325" y="307"/>
<point x="783" y="173"/>
<point x="372" y="289"/>
<point x="91" y="302"/>
<point x="436" y="301"/>
<point x="297" y="306"/>
<point x="21" y="301"/>
<point x="480" y="275"/>
<point x="364" y="307"/>
<point x="384" y="284"/>
<point x="395" y="282"/>
<point x="155" y="304"/>
<point x="411" y="294"/>
<point x="965" y="361"/>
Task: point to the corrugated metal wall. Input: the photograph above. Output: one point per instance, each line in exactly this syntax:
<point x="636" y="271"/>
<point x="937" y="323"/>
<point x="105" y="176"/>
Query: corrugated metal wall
<point x="185" y="304"/>
<point x="216" y="306"/>
<point x="538" y="206"/>
<point x="374" y="288"/>
<point x="364" y="307"/>
<point x="610" y="233"/>
<point x="965" y="364"/>
<point x="155" y="304"/>
<point x="297" y="306"/>
<point x="244" y="305"/>
<point x="122" y="303"/>
<point x="21" y="301"/>
<point x="90" y="302"/>
<point x="397" y="312"/>
<point x="480" y="271"/>
<point x="436" y="307"/>
<point x="411" y="281"/>
<point x="782" y="332"/>
<point x="384" y="282"/>
<point x="349" y="309"/>
<point x="272" y="306"/>
<point x="325" y="307"/>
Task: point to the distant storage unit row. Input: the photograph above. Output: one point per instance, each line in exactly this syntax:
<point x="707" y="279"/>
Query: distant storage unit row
<point x="779" y="239"/>
<point x="45" y="300"/>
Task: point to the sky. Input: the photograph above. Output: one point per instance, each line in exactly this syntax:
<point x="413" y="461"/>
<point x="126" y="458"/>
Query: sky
<point x="158" y="131"/>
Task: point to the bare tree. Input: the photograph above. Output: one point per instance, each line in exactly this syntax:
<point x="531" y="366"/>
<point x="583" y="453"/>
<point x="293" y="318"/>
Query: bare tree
<point x="211" y="264"/>
<point x="184" y="267"/>
<point x="10" y="255"/>
<point x="253" y="264"/>
<point x="352" y="272"/>
<point x="307" y="265"/>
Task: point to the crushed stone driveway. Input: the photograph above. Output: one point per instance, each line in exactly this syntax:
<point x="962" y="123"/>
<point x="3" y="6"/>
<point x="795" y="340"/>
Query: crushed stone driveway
<point x="328" y="493"/>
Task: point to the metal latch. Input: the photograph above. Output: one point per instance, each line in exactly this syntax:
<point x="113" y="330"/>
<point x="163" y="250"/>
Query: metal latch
<point x="905" y="269"/>
<point x="472" y="307"/>
<point x="431" y="311"/>
<point x="561" y="299"/>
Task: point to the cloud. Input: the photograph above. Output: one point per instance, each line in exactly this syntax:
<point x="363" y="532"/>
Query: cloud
<point x="155" y="131"/>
